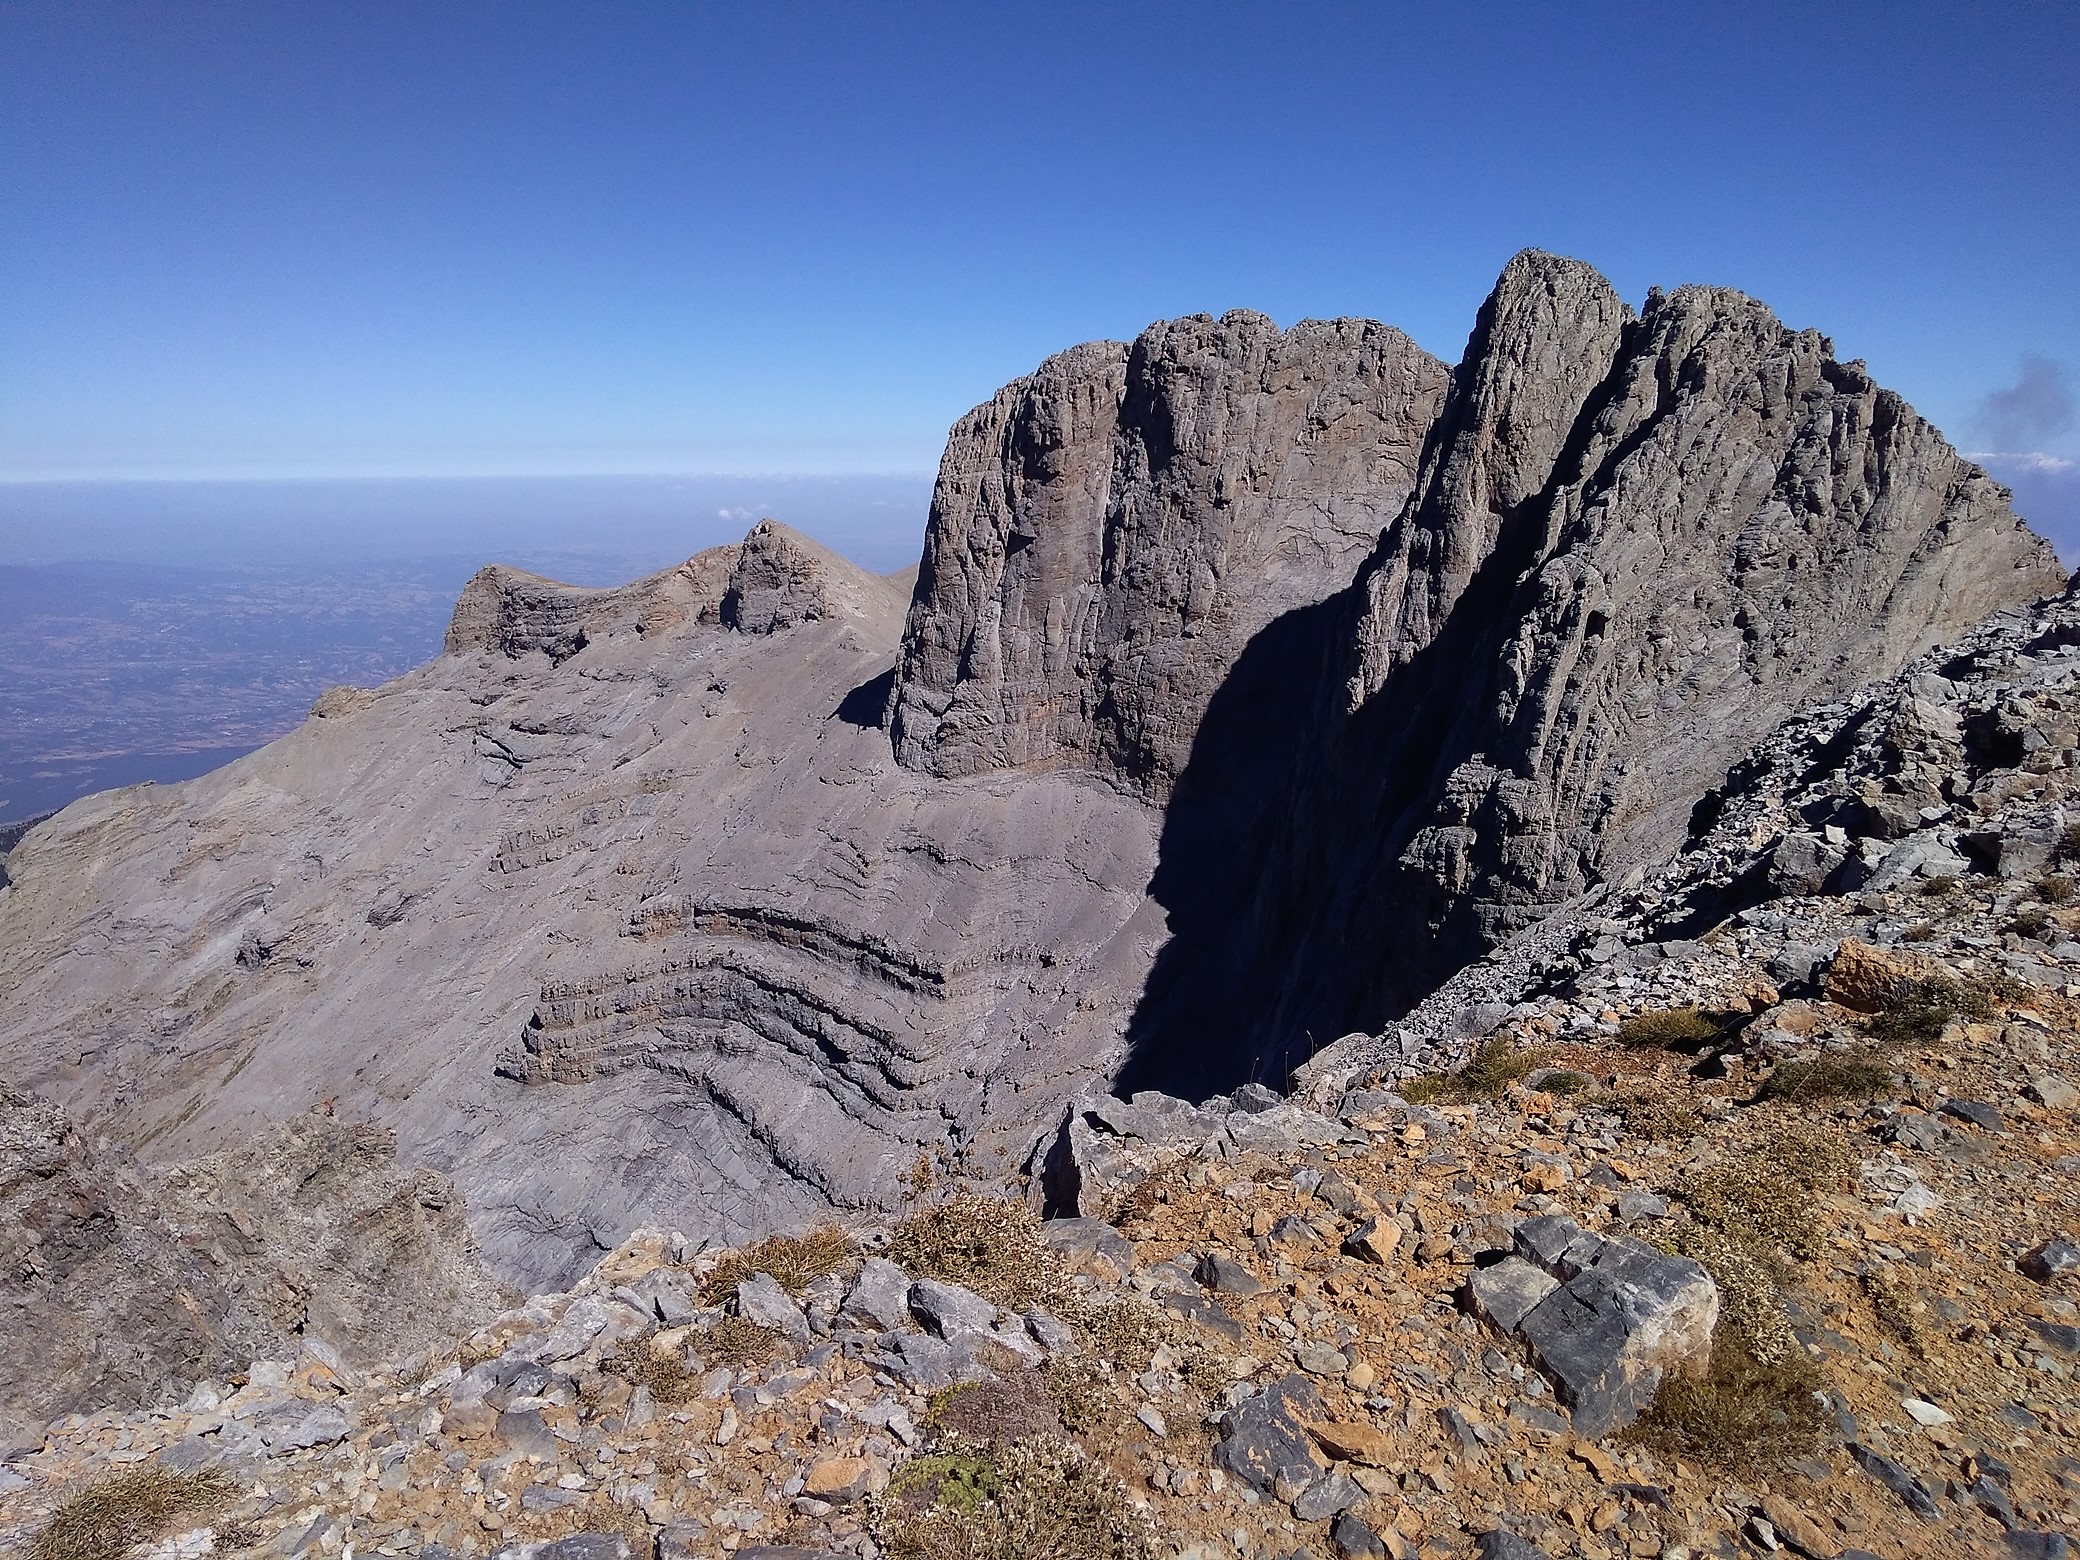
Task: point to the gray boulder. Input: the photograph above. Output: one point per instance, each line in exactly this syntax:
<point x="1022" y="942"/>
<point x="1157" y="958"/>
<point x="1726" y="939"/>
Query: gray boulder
<point x="761" y="1299"/>
<point x="1605" y="1317"/>
<point x="1264" y="1438"/>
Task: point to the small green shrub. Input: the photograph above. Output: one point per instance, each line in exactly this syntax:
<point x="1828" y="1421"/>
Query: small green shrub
<point x="1037" y="1500"/>
<point x="113" y="1516"/>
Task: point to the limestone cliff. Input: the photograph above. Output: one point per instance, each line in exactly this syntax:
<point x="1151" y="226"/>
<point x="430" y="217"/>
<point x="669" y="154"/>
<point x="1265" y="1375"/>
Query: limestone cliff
<point x="1108" y="534"/>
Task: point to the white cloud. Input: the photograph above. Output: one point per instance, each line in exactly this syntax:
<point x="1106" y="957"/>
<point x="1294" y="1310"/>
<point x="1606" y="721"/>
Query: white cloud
<point x="2035" y="461"/>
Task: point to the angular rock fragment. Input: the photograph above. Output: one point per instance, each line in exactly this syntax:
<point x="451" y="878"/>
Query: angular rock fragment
<point x="879" y="1297"/>
<point x="1509" y="1291"/>
<point x="1264" y="1437"/>
<point x="948" y="1310"/>
<point x="1896" y="1478"/>
<point x="2050" y="1259"/>
<point x="760" y="1299"/>
<point x="1605" y="1317"/>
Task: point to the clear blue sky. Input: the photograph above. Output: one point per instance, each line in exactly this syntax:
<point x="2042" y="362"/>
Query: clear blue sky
<point x="304" y="238"/>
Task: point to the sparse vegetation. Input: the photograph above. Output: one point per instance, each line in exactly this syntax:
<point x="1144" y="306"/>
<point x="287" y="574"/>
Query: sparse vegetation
<point x="988" y="1244"/>
<point x="1673" y="1029"/>
<point x="661" y="1369"/>
<point x="113" y="1516"/>
<point x="1035" y="1500"/>
<point x="1859" y="1074"/>
<point x="1565" y="1081"/>
<point x="997" y="1413"/>
<point x="1916" y="1011"/>
<point x="1755" y="1407"/>
<point x="1743" y="1414"/>
<point x="1497" y="1062"/>
<point x="2030" y="921"/>
<point x="1892" y="1303"/>
<point x="1940" y="885"/>
<point x="1659" y="1115"/>
<point x="2054" y="888"/>
<point x="1768" y="1195"/>
<point x="794" y="1261"/>
<point x="737" y="1341"/>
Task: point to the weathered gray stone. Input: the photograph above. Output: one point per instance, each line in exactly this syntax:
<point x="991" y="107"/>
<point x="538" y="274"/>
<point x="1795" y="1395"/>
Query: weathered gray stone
<point x="1326" y="1497"/>
<point x="880" y="1296"/>
<point x="1224" y="1275"/>
<point x="1353" y="1540"/>
<point x="1264" y="1437"/>
<point x="1912" y="1492"/>
<point x="2049" y="1259"/>
<point x="947" y="1310"/>
<point x="760" y="1299"/>
<point x="1618" y="1317"/>
<point x="1508" y="1292"/>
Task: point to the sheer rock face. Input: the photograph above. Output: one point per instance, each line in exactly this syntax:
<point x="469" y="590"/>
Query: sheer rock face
<point x="1109" y="533"/>
<point x="1252" y="682"/>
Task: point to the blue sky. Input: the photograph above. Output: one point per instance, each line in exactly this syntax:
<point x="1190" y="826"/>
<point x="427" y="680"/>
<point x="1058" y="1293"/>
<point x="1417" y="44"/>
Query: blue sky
<point x="457" y="238"/>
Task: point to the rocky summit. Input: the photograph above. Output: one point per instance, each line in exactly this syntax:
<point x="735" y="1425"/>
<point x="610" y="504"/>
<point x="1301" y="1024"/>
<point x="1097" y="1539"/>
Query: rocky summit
<point x="1367" y="956"/>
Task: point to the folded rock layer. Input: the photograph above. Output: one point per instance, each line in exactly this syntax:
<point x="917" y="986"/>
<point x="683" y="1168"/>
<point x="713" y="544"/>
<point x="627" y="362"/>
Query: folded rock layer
<point x="1252" y="681"/>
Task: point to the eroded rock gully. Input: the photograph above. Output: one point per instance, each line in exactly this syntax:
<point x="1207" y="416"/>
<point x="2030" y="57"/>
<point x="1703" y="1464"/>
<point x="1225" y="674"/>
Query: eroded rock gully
<point x="1253" y="681"/>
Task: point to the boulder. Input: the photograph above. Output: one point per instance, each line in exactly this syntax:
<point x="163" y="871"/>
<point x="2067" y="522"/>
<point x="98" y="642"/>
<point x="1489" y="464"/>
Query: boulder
<point x="1605" y="1317"/>
<point x="760" y="1299"/>
<point x="1265" y="1437"/>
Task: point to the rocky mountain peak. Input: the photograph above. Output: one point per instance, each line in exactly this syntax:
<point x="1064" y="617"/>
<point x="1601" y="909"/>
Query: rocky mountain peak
<point x="1253" y="682"/>
<point x="1108" y="535"/>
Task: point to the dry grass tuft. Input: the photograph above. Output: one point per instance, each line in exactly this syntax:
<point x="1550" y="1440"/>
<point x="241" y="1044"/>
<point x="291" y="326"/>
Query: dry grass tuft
<point x="1659" y="1115"/>
<point x="113" y="1516"/>
<point x="1495" y="1065"/>
<point x="1859" y="1074"/>
<point x="1036" y="1500"/>
<point x="1768" y="1196"/>
<point x="794" y="1261"/>
<point x="1916" y="1011"/>
<point x="737" y="1342"/>
<point x="1672" y="1029"/>
<point x="663" y="1371"/>
<point x="1743" y="1414"/>
<point x="1892" y="1303"/>
<point x="988" y="1244"/>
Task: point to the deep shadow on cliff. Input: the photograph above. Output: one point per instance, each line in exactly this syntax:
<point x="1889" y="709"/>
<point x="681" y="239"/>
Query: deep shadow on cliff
<point x="1293" y="918"/>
